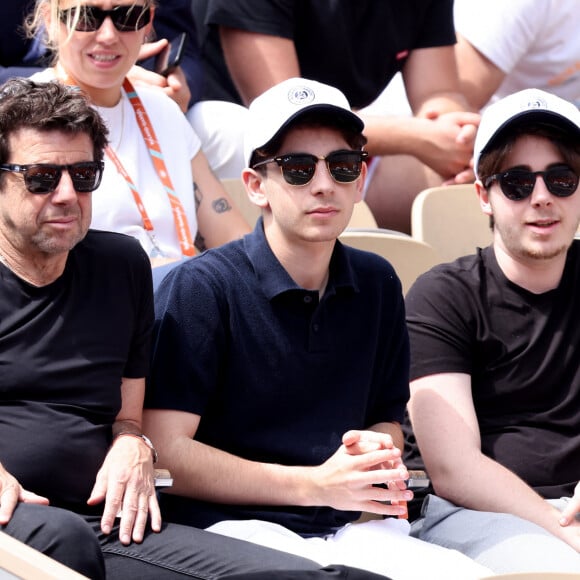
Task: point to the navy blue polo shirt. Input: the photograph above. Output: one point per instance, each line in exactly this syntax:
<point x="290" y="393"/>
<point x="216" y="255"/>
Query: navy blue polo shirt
<point x="276" y="374"/>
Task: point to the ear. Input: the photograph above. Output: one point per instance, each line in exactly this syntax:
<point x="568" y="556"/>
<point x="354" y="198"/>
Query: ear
<point x="253" y="181"/>
<point x="483" y="195"/>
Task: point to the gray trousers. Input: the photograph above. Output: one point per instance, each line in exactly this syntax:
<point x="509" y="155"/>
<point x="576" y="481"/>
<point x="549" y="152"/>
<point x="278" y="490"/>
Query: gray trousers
<point x="502" y="542"/>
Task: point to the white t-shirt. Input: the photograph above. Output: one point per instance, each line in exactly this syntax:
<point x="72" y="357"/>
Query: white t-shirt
<point x="114" y="207"/>
<point x="534" y="42"/>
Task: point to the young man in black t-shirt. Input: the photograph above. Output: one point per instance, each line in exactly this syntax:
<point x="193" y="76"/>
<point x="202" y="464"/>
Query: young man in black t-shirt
<point x="495" y="371"/>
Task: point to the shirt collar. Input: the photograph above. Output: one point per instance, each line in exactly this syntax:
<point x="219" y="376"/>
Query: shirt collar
<point x="274" y="279"/>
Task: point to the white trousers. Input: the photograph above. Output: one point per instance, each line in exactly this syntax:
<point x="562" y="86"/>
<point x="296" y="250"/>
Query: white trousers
<point x="380" y="546"/>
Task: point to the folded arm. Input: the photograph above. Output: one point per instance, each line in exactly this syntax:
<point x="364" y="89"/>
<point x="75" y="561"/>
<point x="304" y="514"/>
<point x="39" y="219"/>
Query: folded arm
<point x="258" y="61"/>
<point x="346" y="481"/>
<point x="442" y="131"/>
<point x="445" y="425"/>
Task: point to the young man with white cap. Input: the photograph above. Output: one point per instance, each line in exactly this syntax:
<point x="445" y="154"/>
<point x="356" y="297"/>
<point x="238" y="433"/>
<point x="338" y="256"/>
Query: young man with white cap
<point x="495" y="359"/>
<point x="280" y="371"/>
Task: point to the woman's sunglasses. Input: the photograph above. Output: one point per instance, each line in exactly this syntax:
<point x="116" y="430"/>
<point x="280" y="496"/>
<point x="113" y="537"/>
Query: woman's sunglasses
<point x="298" y="168"/>
<point x="45" y="177"/>
<point x="91" y="18"/>
<point x="517" y="184"/>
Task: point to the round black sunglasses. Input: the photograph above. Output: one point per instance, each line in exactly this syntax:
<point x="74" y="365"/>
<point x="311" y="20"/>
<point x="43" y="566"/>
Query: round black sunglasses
<point x="517" y="184"/>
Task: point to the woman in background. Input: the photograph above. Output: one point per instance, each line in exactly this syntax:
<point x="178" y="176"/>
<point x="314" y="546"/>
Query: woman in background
<point x="157" y="185"/>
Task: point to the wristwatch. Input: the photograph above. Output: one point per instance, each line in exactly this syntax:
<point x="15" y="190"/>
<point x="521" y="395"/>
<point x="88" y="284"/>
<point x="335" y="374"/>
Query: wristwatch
<point x="147" y="442"/>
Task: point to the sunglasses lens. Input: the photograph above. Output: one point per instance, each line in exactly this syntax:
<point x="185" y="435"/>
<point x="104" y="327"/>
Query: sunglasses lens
<point x="125" y="18"/>
<point x="89" y="18"/>
<point x="517" y="185"/>
<point x="298" y="169"/>
<point x="346" y="166"/>
<point x="85" y="176"/>
<point x="561" y="182"/>
<point x="42" y="178"/>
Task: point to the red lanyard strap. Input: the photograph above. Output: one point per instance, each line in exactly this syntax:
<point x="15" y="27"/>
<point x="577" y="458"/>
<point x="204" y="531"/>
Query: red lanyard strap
<point x="150" y="138"/>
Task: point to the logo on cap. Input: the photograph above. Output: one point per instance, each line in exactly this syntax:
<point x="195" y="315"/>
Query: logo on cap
<point x="536" y="103"/>
<point x="300" y="95"/>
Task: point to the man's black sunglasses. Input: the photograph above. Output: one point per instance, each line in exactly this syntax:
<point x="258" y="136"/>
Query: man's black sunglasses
<point x="45" y="177"/>
<point x="91" y="18"/>
<point x="517" y="184"/>
<point x="298" y="168"/>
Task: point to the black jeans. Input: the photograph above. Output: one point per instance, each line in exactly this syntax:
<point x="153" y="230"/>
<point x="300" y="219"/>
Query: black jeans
<point x="176" y="552"/>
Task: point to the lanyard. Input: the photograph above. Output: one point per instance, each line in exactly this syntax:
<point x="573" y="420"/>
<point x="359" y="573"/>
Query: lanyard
<point x="150" y="138"/>
<point x="148" y="133"/>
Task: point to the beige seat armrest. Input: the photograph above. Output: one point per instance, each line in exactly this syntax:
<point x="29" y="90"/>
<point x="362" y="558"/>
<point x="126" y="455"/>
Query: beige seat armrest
<point x="26" y="563"/>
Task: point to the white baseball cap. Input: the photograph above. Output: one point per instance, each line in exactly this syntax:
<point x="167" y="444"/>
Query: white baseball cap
<point x="276" y="108"/>
<point x="529" y="105"/>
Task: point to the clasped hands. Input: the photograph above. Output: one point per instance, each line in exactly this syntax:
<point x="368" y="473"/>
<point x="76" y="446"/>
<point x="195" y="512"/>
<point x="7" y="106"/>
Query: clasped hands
<point x="448" y="142"/>
<point x="365" y="472"/>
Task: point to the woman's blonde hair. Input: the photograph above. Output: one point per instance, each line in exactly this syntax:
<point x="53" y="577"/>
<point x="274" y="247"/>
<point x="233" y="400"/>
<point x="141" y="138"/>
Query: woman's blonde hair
<point x="44" y="22"/>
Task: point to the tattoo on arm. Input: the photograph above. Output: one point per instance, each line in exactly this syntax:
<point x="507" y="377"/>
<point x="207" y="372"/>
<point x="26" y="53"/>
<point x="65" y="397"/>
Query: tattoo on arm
<point x="221" y="205"/>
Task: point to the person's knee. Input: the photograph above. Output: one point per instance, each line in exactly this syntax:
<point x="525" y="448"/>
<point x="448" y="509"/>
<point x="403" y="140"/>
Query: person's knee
<point x="60" y="534"/>
<point x="502" y="542"/>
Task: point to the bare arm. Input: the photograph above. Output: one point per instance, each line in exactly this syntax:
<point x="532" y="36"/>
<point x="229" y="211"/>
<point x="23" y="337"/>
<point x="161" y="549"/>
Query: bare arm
<point x="447" y="432"/>
<point x="432" y="83"/>
<point x="345" y="481"/>
<point x="218" y="219"/>
<point x="444" y="142"/>
<point x="479" y="77"/>
<point x="442" y="132"/>
<point x="257" y="62"/>
<point x="125" y="481"/>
